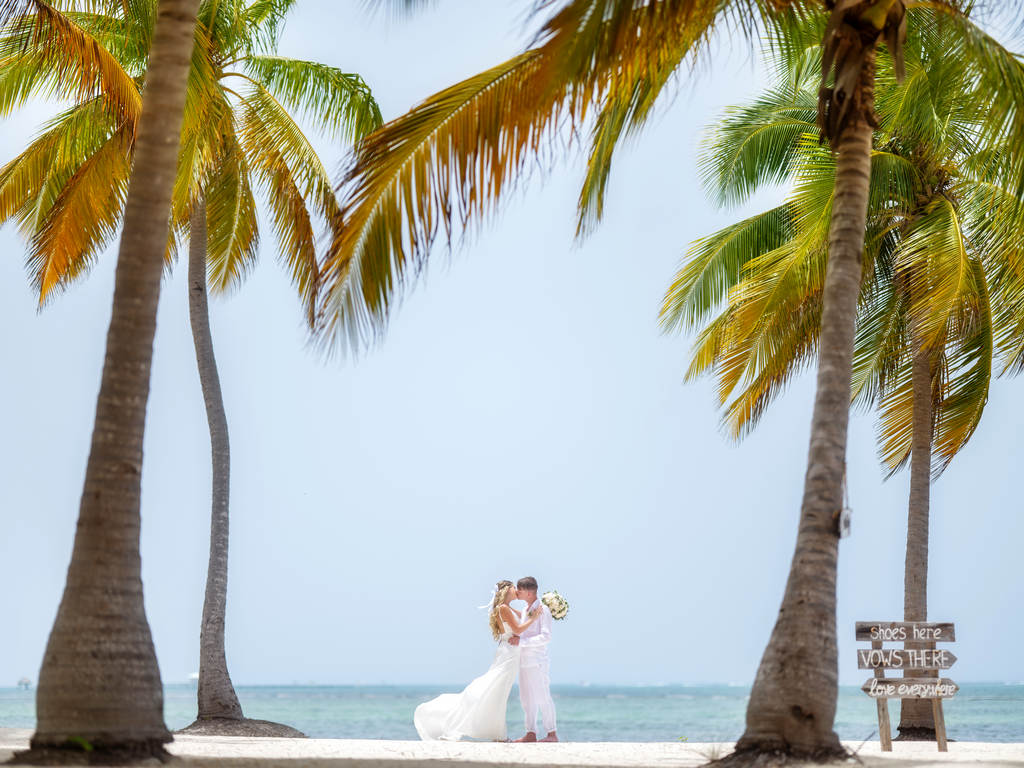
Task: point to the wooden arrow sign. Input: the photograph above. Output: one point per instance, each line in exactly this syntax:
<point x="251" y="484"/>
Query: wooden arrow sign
<point x="910" y="688"/>
<point x="894" y="658"/>
<point x="906" y="631"/>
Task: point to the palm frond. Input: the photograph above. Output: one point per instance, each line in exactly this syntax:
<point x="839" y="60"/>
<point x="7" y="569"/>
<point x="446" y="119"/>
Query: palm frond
<point x="881" y="338"/>
<point x="232" y="228"/>
<point x="120" y="34"/>
<point x="934" y="256"/>
<point x="896" y="412"/>
<point x="207" y="135"/>
<point x="709" y="345"/>
<point x="296" y="183"/>
<point x="758" y="144"/>
<point x="609" y="45"/>
<point x="896" y="185"/>
<point x="995" y="219"/>
<point x="791" y="341"/>
<point x="714" y="265"/>
<point x="622" y="115"/>
<point x="777" y="282"/>
<point x="397" y="7"/>
<point x="998" y="74"/>
<point x="30" y="182"/>
<point x="969" y="374"/>
<point x="83" y="219"/>
<point x="46" y="54"/>
<point x="339" y="102"/>
<point x="950" y="316"/>
<point x="446" y="161"/>
<point x="265" y="19"/>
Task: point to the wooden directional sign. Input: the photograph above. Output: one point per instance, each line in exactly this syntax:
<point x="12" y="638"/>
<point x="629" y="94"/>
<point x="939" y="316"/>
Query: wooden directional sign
<point x="910" y="688"/>
<point x="906" y="631"/>
<point x="920" y="662"/>
<point x="895" y="658"/>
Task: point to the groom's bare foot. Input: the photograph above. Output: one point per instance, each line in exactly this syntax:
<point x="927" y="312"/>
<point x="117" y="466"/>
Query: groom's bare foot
<point x="551" y="737"/>
<point x="527" y="739"/>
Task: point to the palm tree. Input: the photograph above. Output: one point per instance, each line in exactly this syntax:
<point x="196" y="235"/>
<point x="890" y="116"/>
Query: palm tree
<point x="924" y="346"/>
<point x="99" y="685"/>
<point x="235" y="139"/>
<point x="449" y="160"/>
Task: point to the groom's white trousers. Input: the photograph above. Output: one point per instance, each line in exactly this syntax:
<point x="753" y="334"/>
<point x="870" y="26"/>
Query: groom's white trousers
<point x="535" y="695"/>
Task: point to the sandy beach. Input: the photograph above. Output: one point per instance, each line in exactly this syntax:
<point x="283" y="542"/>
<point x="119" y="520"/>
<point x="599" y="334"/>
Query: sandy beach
<point x="366" y="753"/>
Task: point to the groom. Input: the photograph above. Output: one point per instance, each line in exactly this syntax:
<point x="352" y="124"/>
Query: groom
<point x="534" y="665"/>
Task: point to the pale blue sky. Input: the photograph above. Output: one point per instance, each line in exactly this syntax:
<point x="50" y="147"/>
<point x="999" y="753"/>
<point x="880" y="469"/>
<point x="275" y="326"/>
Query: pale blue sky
<point x="523" y="416"/>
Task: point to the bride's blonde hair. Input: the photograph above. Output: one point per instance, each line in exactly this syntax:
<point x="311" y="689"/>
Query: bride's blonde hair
<point x="500" y="593"/>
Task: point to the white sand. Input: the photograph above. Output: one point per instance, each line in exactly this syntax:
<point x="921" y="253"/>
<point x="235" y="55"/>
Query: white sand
<point x="350" y="753"/>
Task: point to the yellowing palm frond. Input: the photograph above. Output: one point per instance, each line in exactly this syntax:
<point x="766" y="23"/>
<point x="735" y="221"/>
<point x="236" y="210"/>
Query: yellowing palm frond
<point x="83" y="218"/>
<point x="609" y="45"/>
<point x="45" y="53"/>
<point x="934" y="255"/>
<point x="125" y="35"/>
<point x="778" y="286"/>
<point x="447" y="160"/>
<point x="296" y="183"/>
<point x="789" y="344"/>
<point x="93" y="52"/>
<point x="623" y="112"/>
<point x="207" y="135"/>
<point x="968" y="375"/>
<point x="896" y="411"/>
<point x="961" y="375"/>
<point x="232" y="231"/>
<point x="31" y="181"/>
<point x="710" y="344"/>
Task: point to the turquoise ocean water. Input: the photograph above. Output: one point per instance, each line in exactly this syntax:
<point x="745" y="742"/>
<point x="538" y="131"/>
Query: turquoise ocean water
<point x="979" y="712"/>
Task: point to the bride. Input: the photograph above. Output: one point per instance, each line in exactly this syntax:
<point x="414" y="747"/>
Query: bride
<point x="479" y="711"/>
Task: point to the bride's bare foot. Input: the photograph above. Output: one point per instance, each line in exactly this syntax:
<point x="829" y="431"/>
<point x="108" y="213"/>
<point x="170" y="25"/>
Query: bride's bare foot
<point x="528" y="738"/>
<point x="551" y="737"/>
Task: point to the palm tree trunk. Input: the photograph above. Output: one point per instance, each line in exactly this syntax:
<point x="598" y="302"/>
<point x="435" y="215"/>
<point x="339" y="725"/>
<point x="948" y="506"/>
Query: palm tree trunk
<point x="793" y="702"/>
<point x="916" y="719"/>
<point x="99" y="685"/>
<point x="217" y="698"/>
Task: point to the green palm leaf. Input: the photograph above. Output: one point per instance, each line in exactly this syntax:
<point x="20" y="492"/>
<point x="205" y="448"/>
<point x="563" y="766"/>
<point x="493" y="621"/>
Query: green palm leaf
<point x="339" y="102"/>
<point x="714" y="265"/>
<point x="758" y="144"/>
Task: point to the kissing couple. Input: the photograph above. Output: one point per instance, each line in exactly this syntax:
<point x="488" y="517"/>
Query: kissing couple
<point x="479" y="711"/>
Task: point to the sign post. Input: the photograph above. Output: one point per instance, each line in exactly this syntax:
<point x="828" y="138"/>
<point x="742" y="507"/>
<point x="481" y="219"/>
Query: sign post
<point x="927" y="660"/>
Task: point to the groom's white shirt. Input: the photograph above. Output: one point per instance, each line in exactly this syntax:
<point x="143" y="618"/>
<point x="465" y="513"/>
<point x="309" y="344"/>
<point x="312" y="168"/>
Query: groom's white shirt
<point x="535" y="638"/>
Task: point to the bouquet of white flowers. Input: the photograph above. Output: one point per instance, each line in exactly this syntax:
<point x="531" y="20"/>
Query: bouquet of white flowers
<point x="557" y="604"/>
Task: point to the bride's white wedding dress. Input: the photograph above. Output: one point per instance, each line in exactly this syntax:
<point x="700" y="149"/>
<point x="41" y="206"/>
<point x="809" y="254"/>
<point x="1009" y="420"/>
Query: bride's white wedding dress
<point x="479" y="711"/>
